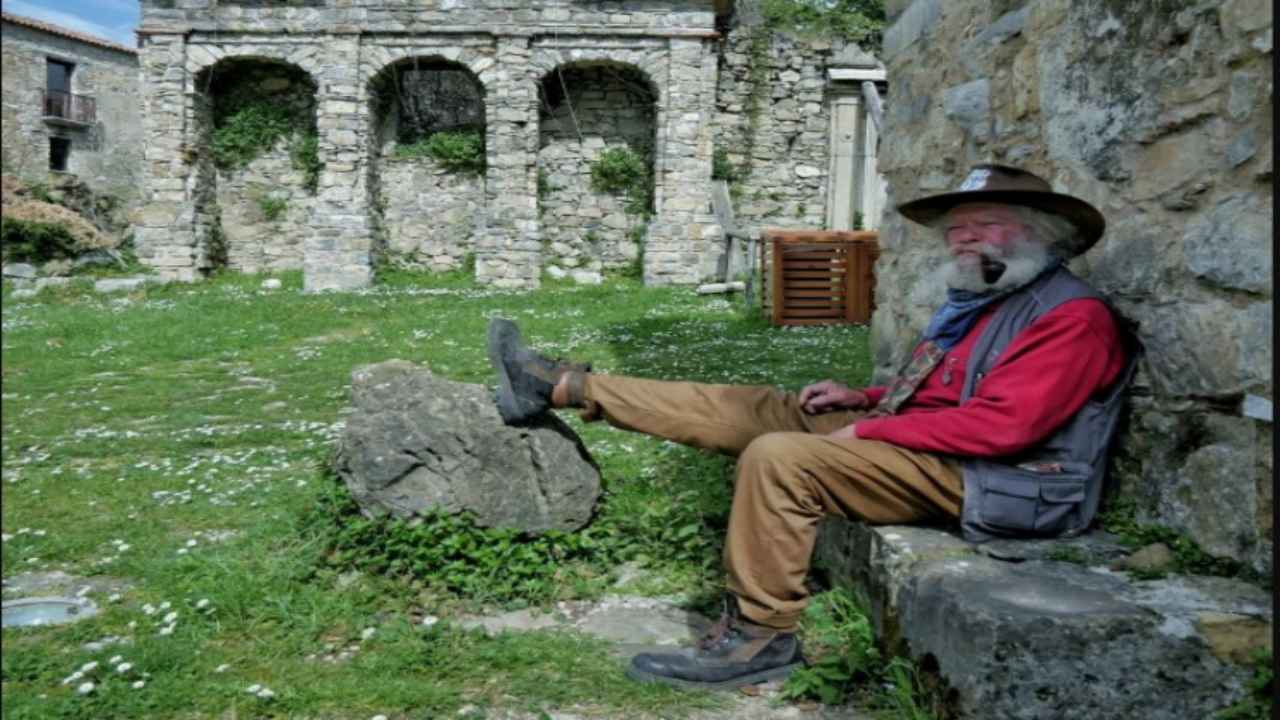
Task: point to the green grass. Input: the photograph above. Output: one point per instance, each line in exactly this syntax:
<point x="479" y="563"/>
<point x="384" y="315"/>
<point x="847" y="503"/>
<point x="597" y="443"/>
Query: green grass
<point x="191" y="423"/>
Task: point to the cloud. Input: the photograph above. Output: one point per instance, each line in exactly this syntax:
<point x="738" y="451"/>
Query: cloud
<point x="121" y="34"/>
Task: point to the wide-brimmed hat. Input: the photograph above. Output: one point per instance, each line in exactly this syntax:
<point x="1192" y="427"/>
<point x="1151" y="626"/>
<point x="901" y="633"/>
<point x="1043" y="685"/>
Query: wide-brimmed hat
<point x="1014" y="186"/>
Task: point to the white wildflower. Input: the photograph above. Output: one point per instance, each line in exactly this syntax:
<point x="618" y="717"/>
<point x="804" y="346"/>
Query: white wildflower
<point x="165" y="605"/>
<point x="89" y="666"/>
<point x="368" y="633"/>
<point x="72" y="677"/>
<point x="166" y="630"/>
<point x="148" y="609"/>
<point x="265" y="694"/>
<point x="222" y="668"/>
<point x="202" y="604"/>
<point x="192" y="543"/>
<point x="170" y="617"/>
<point x="115" y="659"/>
<point x="430" y="620"/>
<point x="85" y="688"/>
<point x="124" y="667"/>
<point x="138" y="685"/>
<point x="113" y="597"/>
<point x="253" y="689"/>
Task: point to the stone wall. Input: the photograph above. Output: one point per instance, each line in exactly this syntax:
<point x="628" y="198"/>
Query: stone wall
<point x="655" y="76"/>
<point x="1159" y="113"/>
<point x="105" y="155"/>
<point x="774" y="127"/>
<point x="431" y="216"/>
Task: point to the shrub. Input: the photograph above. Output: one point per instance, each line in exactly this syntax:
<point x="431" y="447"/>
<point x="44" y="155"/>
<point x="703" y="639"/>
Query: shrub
<point x="623" y="171"/>
<point x="461" y="151"/>
<point x="272" y="207"/>
<point x="34" y="241"/>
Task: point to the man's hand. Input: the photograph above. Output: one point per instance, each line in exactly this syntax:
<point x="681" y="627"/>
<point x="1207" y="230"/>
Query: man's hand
<point x="830" y="395"/>
<point x="848" y="432"/>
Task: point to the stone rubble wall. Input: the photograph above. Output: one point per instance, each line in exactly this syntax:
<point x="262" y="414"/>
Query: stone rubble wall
<point x="106" y="155"/>
<point x="786" y="186"/>
<point x="430" y="215"/>
<point x="1158" y="113"/>
<point x="256" y="243"/>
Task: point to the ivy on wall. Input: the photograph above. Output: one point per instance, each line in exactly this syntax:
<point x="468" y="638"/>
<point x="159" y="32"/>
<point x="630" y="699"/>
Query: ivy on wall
<point x="246" y="124"/>
<point x="859" y="21"/>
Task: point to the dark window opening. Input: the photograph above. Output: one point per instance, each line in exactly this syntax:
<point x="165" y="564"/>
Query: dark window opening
<point x="436" y="96"/>
<point x="59" y="151"/>
<point x="58" y="75"/>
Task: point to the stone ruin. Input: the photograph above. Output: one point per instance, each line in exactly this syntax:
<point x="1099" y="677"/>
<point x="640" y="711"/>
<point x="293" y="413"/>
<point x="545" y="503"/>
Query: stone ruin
<point x="551" y="86"/>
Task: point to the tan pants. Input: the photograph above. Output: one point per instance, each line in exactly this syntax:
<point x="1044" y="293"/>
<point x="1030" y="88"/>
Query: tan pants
<point x="789" y="476"/>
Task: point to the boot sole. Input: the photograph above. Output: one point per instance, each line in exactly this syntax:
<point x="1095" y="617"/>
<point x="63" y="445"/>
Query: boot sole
<point x="509" y="406"/>
<point x="755" y="678"/>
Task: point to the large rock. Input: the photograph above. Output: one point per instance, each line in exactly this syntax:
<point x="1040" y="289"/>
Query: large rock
<point x="1016" y="632"/>
<point x="417" y="442"/>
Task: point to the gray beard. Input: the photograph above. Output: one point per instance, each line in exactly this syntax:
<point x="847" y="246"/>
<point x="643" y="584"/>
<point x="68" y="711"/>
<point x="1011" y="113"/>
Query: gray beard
<point x="995" y="274"/>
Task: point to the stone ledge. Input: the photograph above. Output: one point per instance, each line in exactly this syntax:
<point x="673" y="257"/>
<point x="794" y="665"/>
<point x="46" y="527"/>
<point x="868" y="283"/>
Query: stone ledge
<point x="1014" y="634"/>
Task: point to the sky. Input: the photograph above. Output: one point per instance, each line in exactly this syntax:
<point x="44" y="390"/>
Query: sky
<point x="112" y="20"/>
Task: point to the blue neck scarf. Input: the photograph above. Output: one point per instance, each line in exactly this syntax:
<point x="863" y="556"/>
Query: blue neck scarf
<point x="956" y="317"/>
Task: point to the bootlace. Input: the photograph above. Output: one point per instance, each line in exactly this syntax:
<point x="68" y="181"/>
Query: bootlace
<point x="722" y="630"/>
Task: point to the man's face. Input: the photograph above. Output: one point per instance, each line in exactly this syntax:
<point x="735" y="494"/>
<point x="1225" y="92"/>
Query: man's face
<point x="990" y="248"/>
<point x="982" y="230"/>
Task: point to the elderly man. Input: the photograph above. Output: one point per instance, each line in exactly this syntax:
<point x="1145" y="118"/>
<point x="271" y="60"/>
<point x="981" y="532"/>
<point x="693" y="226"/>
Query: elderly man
<point x="1000" y="419"/>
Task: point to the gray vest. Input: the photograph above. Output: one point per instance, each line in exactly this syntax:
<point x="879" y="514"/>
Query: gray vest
<point x="1053" y="488"/>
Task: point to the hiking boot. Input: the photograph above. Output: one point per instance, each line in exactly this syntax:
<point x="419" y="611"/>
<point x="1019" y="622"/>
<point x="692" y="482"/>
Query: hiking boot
<point x="734" y="653"/>
<point x="525" y="378"/>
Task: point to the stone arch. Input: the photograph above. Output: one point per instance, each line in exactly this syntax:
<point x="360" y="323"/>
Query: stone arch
<point x="592" y="110"/>
<point x="416" y="102"/>
<point x="254" y="188"/>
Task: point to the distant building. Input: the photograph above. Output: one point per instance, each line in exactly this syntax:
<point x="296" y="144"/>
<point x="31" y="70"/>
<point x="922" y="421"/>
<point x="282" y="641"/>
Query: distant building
<point x="70" y="105"/>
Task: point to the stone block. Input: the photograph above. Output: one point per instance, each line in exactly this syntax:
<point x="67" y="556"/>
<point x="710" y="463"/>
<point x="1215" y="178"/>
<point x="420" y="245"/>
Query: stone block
<point x="1015" y="634"/>
<point x="22" y="271"/>
<point x="969" y="106"/>
<point x="1230" y="246"/>
<point x="917" y="19"/>
<point x="107" y="285"/>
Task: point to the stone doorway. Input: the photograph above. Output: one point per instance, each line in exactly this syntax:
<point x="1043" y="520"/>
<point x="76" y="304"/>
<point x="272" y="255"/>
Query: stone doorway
<point x="596" y="148"/>
<point x="428" y="162"/>
<point x="257" y="164"/>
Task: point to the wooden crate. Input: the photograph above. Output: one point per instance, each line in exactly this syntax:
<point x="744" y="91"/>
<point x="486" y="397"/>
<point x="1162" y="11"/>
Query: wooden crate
<point x="818" y="277"/>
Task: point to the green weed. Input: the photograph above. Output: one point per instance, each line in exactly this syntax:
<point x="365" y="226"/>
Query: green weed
<point x="841" y="648"/>
<point x="1258" y="704"/>
<point x="461" y="151"/>
<point x="1189" y="557"/>
<point x="272" y="208"/>
<point x="623" y="171"/>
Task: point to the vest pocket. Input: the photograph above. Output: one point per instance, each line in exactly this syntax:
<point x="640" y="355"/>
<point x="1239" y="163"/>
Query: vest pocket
<point x="1030" y="501"/>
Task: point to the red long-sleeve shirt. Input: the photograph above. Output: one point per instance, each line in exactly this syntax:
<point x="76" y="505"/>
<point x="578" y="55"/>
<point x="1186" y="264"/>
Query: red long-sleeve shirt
<point x="1040" y="380"/>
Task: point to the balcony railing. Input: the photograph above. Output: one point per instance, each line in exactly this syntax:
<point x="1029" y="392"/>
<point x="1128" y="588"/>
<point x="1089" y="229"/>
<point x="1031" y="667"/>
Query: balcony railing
<point x="69" y="107"/>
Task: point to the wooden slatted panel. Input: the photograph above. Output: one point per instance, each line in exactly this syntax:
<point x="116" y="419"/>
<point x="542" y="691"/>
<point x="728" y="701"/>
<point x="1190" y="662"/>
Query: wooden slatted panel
<point x="818" y="277"/>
